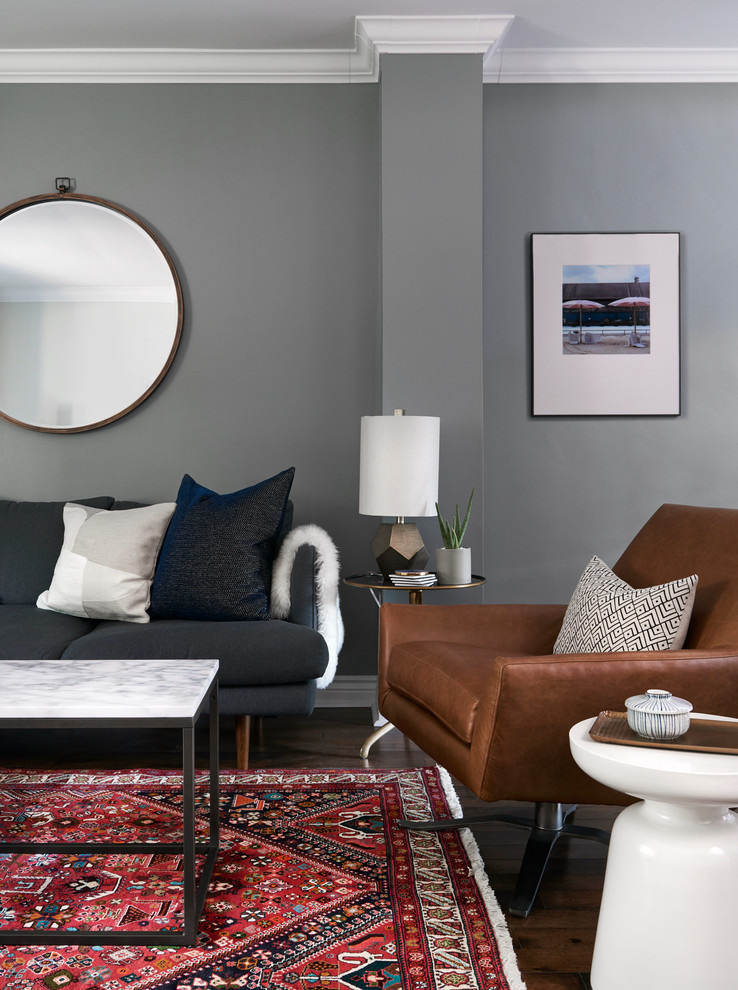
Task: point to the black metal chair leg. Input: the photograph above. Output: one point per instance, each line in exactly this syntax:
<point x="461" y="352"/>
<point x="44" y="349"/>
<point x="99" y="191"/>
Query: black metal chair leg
<point x="549" y="825"/>
<point x="468" y="821"/>
<point x="535" y="859"/>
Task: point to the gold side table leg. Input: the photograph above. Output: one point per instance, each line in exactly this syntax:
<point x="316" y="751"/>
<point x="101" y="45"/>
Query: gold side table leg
<point x="370" y="740"/>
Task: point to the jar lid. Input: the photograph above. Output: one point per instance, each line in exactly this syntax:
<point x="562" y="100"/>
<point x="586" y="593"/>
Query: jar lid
<point x="658" y="701"/>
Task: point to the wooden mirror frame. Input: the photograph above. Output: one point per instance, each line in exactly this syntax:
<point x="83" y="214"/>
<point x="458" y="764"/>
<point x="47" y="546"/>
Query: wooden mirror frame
<point x="120" y="211"/>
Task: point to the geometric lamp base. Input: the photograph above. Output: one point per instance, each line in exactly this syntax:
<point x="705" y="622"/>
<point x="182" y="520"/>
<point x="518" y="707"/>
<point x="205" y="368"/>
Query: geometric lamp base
<point x="399" y="547"/>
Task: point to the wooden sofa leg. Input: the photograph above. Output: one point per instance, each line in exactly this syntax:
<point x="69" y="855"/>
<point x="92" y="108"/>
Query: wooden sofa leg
<point x="243" y="732"/>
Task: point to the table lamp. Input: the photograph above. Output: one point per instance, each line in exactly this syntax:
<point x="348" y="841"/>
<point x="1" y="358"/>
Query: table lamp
<point x="399" y="477"/>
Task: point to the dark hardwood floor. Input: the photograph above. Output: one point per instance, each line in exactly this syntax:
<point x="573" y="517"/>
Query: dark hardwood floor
<point x="554" y="944"/>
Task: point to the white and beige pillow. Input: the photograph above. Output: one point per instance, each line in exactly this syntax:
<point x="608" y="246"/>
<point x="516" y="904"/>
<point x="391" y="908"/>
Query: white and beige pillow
<point x="107" y="562"/>
<point x="606" y="615"/>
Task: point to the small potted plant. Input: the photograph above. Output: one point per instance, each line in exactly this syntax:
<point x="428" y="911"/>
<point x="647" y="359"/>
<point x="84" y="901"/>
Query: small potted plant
<point x="453" y="562"/>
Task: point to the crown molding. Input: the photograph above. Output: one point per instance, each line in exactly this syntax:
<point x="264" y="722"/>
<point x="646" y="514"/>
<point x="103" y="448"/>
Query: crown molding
<point x="170" y="65"/>
<point x="377" y="36"/>
<point x="374" y="36"/>
<point x="612" y="65"/>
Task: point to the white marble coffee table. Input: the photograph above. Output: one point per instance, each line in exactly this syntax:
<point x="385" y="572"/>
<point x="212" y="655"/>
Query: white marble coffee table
<point x="667" y="920"/>
<point x="132" y="694"/>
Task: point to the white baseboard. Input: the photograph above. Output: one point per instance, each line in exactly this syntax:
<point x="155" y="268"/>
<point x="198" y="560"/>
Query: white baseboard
<point x="346" y="691"/>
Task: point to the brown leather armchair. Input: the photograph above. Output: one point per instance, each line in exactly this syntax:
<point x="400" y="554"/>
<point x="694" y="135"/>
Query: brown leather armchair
<point x="478" y="688"/>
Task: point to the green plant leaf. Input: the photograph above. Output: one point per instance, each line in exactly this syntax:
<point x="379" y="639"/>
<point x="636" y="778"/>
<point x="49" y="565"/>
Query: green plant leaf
<point x="466" y="518"/>
<point x="452" y="533"/>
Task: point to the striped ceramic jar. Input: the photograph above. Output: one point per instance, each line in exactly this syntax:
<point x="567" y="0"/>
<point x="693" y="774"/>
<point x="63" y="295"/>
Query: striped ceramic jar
<point x="658" y="715"/>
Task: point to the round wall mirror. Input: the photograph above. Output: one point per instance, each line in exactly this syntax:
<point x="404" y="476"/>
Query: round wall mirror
<point x="90" y="312"/>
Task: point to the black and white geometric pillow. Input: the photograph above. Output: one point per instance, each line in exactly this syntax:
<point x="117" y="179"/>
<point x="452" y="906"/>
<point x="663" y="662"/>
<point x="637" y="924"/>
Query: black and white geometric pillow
<point x="606" y="615"/>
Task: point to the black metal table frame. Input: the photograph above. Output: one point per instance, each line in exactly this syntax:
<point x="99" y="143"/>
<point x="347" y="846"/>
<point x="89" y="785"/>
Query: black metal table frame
<point x="194" y="891"/>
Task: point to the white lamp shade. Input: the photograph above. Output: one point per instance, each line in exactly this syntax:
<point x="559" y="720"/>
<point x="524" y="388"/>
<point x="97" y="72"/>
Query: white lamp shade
<point x="399" y="465"/>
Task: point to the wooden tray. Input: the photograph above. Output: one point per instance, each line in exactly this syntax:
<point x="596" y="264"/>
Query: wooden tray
<point x="704" y="735"/>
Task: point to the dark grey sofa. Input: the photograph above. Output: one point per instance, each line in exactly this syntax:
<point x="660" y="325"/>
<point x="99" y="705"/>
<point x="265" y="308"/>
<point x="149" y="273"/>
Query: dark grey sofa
<point x="267" y="667"/>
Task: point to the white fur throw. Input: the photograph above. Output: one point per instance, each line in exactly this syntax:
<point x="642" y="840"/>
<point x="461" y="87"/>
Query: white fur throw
<point x="330" y="622"/>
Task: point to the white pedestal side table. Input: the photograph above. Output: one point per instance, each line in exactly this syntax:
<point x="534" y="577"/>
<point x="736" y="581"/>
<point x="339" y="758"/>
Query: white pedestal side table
<point x="668" y="914"/>
<point x="122" y="694"/>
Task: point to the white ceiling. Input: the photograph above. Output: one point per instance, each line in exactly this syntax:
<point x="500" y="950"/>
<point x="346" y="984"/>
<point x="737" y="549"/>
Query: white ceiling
<point x="673" y="32"/>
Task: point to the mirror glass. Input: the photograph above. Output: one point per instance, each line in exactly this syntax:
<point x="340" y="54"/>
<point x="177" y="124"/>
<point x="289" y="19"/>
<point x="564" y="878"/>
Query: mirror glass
<point x="90" y="313"/>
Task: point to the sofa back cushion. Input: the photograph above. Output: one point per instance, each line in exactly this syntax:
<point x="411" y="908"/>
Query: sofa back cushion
<point x="691" y="539"/>
<point x="31" y="536"/>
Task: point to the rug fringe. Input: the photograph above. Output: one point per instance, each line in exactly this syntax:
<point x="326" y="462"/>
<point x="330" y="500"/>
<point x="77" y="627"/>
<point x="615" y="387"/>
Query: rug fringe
<point x="496" y="917"/>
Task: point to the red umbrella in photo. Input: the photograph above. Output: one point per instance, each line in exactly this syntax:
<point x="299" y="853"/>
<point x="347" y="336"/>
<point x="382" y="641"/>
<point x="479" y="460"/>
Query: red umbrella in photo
<point x="634" y="302"/>
<point x="581" y="305"/>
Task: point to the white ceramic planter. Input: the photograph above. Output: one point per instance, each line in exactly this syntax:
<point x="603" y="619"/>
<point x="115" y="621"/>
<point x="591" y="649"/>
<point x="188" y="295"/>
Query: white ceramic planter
<point x="453" y="566"/>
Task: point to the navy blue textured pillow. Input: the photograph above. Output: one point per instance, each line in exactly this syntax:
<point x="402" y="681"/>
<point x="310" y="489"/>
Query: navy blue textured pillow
<point x="216" y="559"/>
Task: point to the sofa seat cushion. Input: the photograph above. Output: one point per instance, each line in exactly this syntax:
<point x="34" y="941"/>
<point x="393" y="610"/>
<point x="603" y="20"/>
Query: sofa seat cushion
<point x="28" y="633"/>
<point x="250" y="653"/>
<point x="446" y="679"/>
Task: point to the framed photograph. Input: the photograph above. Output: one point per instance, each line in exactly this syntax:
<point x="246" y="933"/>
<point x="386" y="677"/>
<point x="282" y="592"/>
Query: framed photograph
<point x="606" y="324"/>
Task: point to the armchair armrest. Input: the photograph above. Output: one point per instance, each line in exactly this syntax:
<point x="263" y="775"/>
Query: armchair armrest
<point x="531" y="702"/>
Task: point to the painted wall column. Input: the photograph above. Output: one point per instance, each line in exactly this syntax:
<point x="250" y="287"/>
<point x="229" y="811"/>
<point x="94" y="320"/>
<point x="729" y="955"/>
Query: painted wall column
<point x="431" y="247"/>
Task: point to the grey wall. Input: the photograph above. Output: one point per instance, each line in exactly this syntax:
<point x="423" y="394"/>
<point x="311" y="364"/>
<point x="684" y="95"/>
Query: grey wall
<point x="267" y="198"/>
<point x="607" y="158"/>
<point x="431" y="241"/>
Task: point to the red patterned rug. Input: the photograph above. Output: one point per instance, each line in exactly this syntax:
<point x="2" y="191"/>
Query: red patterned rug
<point x="315" y="886"/>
